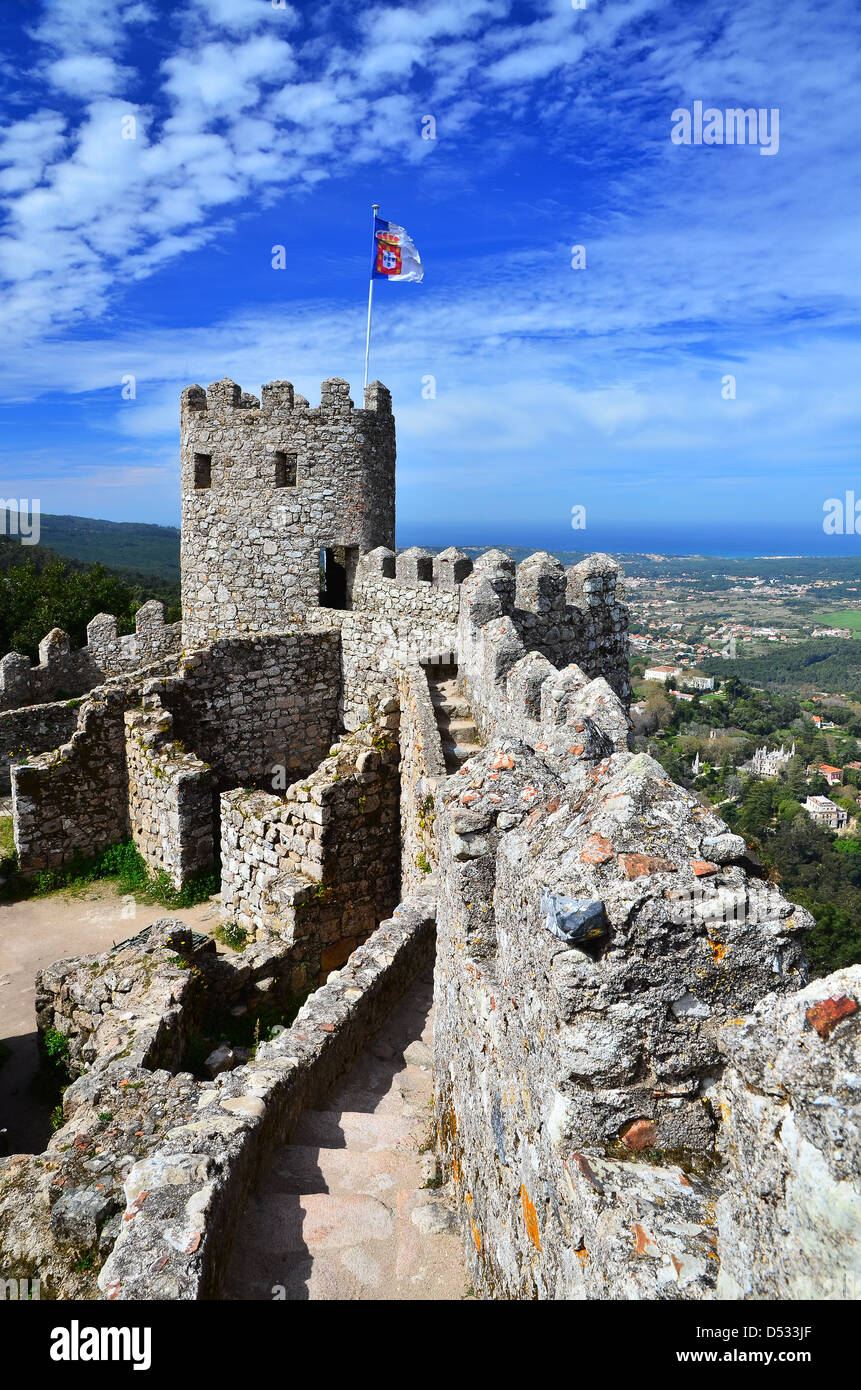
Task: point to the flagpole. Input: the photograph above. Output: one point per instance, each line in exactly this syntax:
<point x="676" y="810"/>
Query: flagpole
<point x="370" y="291"/>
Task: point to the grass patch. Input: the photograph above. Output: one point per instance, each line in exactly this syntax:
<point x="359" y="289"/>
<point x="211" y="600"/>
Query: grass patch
<point x="847" y="618"/>
<point x="8" y="857"/>
<point x="56" y="1046"/>
<point x="233" y="935"/>
<point x="123" y="863"/>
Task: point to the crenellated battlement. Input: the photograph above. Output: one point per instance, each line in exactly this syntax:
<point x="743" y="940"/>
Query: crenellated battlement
<point x="415" y="565"/>
<point x="279" y="398"/>
<point x="63" y="671"/>
<point x="538" y="609"/>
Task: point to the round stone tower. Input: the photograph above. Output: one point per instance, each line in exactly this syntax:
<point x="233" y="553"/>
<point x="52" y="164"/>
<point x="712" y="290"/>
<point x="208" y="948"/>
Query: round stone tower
<point x="279" y="501"/>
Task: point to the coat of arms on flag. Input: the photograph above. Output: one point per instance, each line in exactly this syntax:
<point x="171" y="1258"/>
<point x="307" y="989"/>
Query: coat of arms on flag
<point x="395" y="254"/>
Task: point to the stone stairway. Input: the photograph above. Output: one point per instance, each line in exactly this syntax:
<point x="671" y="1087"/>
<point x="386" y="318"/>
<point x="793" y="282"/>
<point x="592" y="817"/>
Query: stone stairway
<point x="460" y="737"/>
<point x="343" y="1211"/>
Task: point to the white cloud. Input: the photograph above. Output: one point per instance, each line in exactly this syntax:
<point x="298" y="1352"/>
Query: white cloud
<point x="27" y="147"/>
<point x="225" y="78"/>
<point x="240" y="15"/>
<point x="86" y="75"/>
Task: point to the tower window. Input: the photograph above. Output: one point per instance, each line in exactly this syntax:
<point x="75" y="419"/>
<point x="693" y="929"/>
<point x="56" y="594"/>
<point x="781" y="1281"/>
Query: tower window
<point x="285" y="470"/>
<point x="203" y="470"/>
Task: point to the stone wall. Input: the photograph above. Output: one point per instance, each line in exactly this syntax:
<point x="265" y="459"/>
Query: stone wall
<point x="74" y="800"/>
<point x="422" y="770"/>
<point x="265" y="485"/>
<point x="413" y="584"/>
<point x="318" y="866"/>
<point x="522" y="694"/>
<point x="152" y="640"/>
<point x="124" y="1014"/>
<point x="243" y="710"/>
<point x="254" y="707"/>
<point x="33" y="729"/>
<point x="789" y="1219"/>
<point x="135" y="1003"/>
<point x="169" y="798"/>
<point x="597" y="928"/>
<point x="63" y="672"/>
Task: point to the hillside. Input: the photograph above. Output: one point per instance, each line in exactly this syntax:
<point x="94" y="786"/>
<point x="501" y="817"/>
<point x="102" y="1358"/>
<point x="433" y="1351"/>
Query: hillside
<point x="132" y="546"/>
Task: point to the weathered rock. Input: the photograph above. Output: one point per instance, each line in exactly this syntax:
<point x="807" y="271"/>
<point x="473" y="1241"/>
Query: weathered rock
<point x="76" y="1217"/>
<point x="790" y="1098"/>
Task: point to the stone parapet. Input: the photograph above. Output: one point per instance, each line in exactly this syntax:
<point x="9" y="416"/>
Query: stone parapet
<point x="64" y="672"/>
<point x="422" y="769"/>
<point x="597" y="929"/>
<point x="788" y="1220"/>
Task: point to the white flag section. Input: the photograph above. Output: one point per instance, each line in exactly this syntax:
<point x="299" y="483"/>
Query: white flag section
<point x="395" y="253"/>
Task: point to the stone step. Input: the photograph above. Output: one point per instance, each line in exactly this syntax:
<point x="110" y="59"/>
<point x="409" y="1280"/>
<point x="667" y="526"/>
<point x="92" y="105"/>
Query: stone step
<point x="341" y="1212"/>
<point x="338" y="1129"/>
<point x="322" y="1246"/>
<point x="452" y="707"/>
<point x="459" y="753"/>
<point x="362" y="1095"/>
<point x="304" y="1168"/>
<point x="286" y="1223"/>
<point x="461" y="730"/>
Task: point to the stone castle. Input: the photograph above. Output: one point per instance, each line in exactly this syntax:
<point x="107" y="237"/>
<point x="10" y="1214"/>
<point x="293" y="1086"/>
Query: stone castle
<point x="398" y="758"/>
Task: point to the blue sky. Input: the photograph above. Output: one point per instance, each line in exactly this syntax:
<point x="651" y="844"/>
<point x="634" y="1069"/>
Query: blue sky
<point x="260" y="125"/>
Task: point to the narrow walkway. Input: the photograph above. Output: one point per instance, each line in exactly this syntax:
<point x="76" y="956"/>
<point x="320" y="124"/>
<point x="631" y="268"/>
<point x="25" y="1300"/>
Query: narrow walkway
<point x="453" y="716"/>
<point x="343" y="1212"/>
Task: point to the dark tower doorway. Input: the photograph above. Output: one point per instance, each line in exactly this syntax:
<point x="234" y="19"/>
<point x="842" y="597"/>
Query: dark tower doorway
<point x="337" y="567"/>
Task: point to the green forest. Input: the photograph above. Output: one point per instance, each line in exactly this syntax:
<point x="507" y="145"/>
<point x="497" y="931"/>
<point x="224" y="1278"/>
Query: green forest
<point x="827" y="665"/>
<point x="41" y="591"/>
<point x="812" y="866"/>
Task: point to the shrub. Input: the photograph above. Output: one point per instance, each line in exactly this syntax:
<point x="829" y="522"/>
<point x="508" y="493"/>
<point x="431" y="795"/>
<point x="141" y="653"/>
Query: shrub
<point x="233" y="935"/>
<point x="56" y="1045"/>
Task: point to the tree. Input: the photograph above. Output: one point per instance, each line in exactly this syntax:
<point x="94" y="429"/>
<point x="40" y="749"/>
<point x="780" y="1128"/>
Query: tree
<point x="756" y="808"/>
<point x="658" y="710"/>
<point x="32" y="602"/>
<point x="795" y="780"/>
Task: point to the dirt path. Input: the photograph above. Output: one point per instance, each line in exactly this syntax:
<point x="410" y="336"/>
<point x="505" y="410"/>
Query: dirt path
<point x="342" y="1212"/>
<point x="32" y="935"/>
